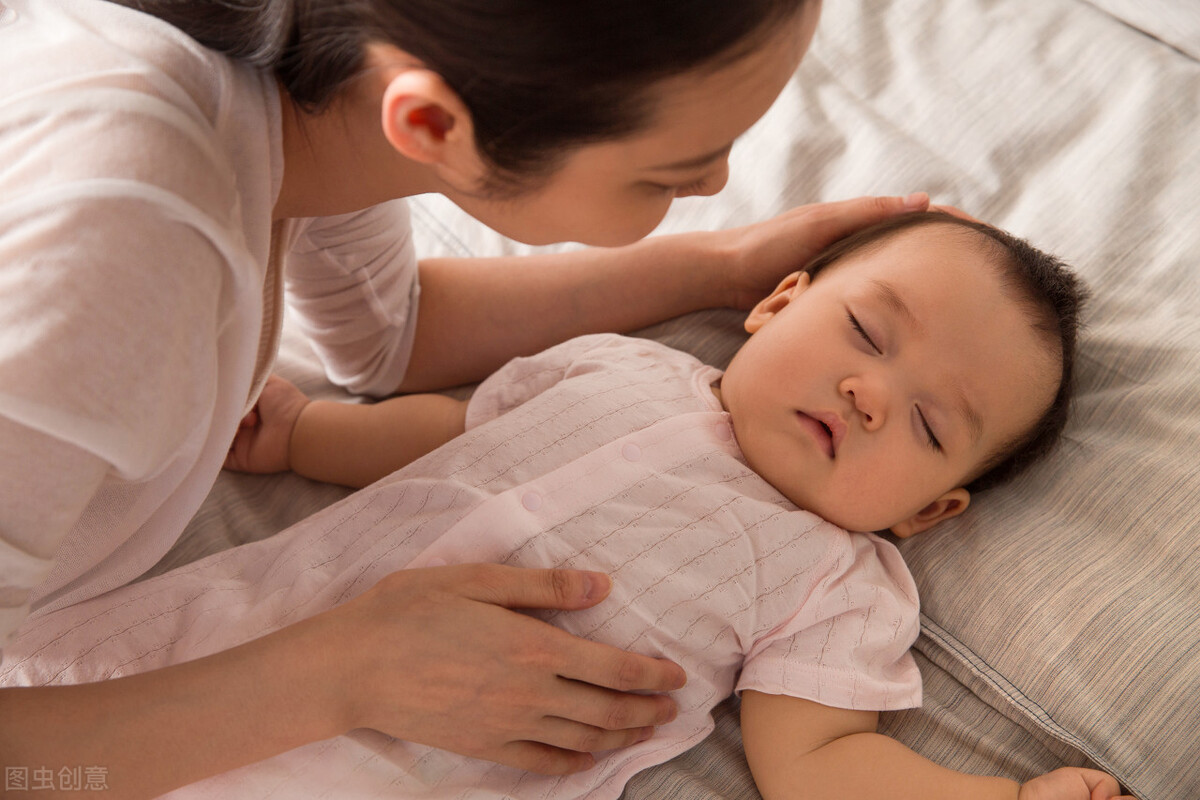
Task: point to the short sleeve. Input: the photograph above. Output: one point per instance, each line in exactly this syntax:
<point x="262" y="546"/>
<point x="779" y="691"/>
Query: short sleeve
<point x="131" y="272"/>
<point x="352" y="285"/>
<point x="108" y="375"/>
<point x="848" y="644"/>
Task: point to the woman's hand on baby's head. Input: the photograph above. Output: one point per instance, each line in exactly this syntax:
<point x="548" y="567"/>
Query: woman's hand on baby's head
<point x="264" y="435"/>
<point x="1073" y="783"/>
<point x="757" y="256"/>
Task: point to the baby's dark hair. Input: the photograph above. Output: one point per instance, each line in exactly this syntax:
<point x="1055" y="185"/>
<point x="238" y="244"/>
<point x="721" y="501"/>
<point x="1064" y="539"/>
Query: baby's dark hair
<point x="539" y="77"/>
<point x="1049" y="291"/>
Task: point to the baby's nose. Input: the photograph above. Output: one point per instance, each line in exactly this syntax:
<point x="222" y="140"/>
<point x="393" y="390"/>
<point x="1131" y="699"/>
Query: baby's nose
<point x="868" y="400"/>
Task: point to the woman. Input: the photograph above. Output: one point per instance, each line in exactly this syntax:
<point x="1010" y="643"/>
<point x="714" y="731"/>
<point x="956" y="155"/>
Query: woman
<point x="156" y="196"/>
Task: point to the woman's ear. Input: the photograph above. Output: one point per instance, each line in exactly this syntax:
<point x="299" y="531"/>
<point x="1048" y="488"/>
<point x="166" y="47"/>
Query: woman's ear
<point x="951" y="504"/>
<point x="425" y="121"/>
<point x="788" y="289"/>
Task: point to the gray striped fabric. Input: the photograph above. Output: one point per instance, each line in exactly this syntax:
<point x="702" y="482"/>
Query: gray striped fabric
<point x="1062" y="612"/>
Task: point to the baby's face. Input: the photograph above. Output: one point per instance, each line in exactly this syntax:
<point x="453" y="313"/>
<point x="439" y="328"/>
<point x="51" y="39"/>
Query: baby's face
<point x="870" y="394"/>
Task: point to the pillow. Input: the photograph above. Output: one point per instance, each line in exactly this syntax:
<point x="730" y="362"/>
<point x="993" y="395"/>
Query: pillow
<point x="1175" y="22"/>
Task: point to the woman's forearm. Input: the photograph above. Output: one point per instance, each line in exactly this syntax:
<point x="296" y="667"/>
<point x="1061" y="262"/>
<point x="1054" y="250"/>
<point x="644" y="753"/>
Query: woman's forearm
<point x="146" y="734"/>
<point x="475" y="314"/>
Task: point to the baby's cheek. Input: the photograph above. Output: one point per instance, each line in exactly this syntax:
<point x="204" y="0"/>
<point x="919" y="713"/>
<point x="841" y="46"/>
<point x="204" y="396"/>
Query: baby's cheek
<point x="875" y="501"/>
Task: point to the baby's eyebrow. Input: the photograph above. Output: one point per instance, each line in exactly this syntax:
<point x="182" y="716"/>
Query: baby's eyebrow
<point x="886" y="294"/>
<point x="969" y="414"/>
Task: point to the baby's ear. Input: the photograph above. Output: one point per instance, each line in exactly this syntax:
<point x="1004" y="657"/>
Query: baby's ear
<point x="787" y="290"/>
<point x="951" y="504"/>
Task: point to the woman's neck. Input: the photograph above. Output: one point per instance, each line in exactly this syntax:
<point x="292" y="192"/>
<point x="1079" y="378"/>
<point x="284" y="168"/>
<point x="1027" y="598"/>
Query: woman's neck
<point x="337" y="160"/>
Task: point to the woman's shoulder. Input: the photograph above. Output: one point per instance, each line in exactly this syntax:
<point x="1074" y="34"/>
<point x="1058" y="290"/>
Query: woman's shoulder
<point x="103" y="100"/>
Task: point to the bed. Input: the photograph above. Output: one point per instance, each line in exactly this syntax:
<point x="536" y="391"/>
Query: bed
<point x="1061" y="614"/>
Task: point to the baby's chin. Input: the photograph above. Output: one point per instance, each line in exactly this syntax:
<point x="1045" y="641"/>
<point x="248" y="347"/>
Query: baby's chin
<point x="852" y="519"/>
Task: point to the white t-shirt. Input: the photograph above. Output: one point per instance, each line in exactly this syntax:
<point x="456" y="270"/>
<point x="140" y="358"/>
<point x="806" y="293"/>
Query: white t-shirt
<point x="606" y="453"/>
<point x="141" y="281"/>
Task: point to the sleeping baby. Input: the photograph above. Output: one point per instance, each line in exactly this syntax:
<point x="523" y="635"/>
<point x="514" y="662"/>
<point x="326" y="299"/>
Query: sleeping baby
<point x="740" y="516"/>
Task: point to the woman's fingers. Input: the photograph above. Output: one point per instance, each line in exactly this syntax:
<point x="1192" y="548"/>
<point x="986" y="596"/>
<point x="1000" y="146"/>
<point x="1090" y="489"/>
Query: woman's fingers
<point x="440" y="658"/>
<point x="611" y="710"/>
<point x="955" y="212"/>
<point x="515" y="587"/>
<point x="837" y="220"/>
<point x="544" y="759"/>
<point x="579" y="737"/>
<point x="582" y="660"/>
<point x="596" y="664"/>
<point x="570" y="747"/>
<point x="758" y="255"/>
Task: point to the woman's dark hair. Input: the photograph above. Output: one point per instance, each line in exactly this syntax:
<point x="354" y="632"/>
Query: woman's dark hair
<point x="1049" y="291"/>
<point x="538" y="76"/>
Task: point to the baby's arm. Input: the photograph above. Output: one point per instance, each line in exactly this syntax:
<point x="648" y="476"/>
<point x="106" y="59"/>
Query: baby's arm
<point x="797" y="748"/>
<point x="345" y="443"/>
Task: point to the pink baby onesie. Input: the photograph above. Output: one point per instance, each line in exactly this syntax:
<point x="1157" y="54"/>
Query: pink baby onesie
<point x="605" y="453"/>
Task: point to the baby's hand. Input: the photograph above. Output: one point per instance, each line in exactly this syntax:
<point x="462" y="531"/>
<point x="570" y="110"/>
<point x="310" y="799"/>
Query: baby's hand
<point x="1073" y="783"/>
<point x="265" y="434"/>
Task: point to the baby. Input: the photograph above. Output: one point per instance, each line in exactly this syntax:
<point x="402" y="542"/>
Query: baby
<point x="909" y="366"/>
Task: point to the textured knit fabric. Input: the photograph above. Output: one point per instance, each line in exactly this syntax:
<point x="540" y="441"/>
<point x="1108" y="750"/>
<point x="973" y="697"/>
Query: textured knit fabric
<point x="141" y="289"/>
<point x="603" y="453"/>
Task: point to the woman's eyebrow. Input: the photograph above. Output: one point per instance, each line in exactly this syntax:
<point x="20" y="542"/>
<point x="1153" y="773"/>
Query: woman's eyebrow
<point x="886" y="294"/>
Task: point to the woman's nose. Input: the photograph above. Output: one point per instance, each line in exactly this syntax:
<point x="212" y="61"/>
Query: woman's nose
<point x="868" y="398"/>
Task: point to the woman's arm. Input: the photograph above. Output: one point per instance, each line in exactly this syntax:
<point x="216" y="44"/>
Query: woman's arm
<point x="477" y="313"/>
<point x="522" y="692"/>
<point x="159" y="730"/>
<point x="797" y="749"/>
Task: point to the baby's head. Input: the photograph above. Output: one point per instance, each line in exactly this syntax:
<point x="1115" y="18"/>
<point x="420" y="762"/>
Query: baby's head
<point x="911" y="364"/>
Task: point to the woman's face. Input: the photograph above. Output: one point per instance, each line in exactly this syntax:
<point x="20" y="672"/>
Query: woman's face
<point x="614" y="193"/>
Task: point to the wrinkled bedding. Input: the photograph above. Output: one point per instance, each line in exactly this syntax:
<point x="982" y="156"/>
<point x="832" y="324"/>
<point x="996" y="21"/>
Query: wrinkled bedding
<point x="1061" y="614"/>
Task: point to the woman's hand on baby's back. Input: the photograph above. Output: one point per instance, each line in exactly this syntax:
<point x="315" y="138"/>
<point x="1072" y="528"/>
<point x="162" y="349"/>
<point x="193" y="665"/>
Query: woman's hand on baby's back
<point x="437" y="656"/>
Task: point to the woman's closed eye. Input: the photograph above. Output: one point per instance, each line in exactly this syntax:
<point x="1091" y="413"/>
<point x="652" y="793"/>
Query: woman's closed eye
<point x="862" y="332"/>
<point x="692" y="187"/>
<point x="695" y="187"/>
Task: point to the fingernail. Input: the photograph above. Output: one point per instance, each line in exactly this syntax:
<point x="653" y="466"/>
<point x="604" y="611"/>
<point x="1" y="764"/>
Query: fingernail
<point x="598" y="586"/>
<point x="916" y="201"/>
